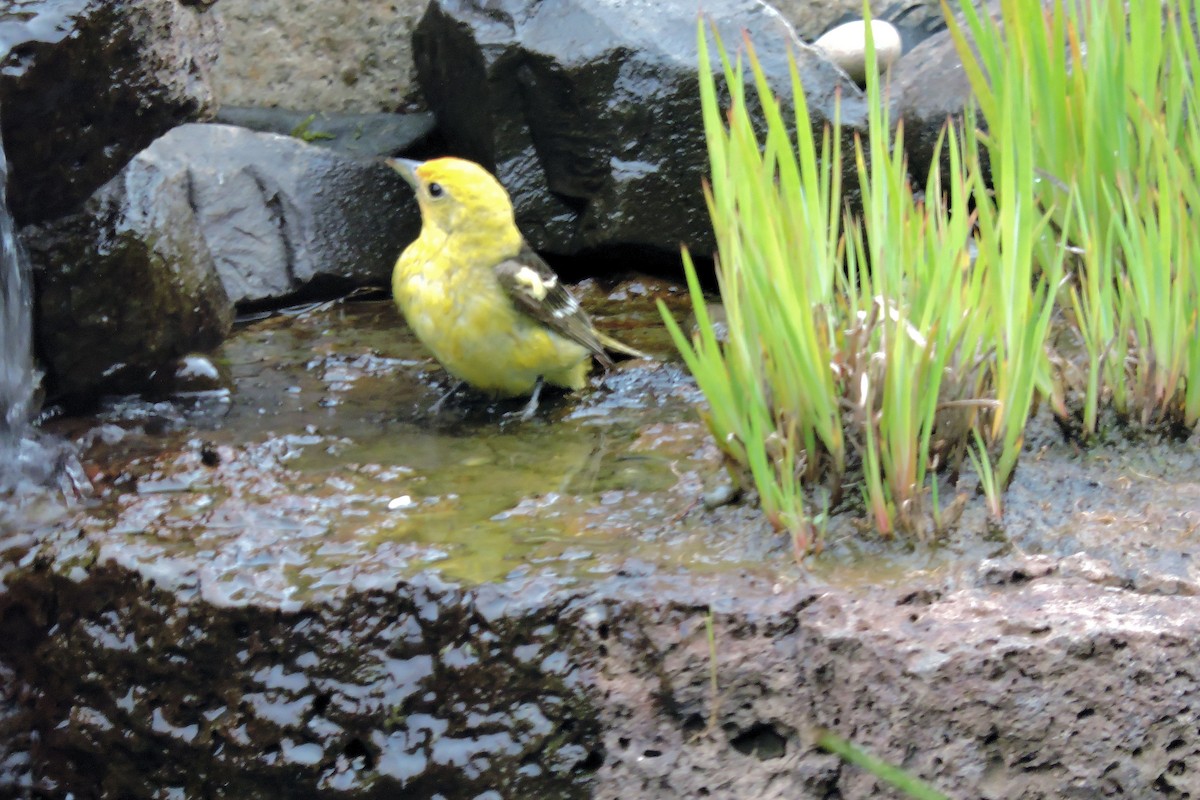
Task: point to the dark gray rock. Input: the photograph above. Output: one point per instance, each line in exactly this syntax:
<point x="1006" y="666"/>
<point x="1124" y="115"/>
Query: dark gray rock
<point x="363" y="135"/>
<point x="589" y="110"/>
<point x="205" y="217"/>
<point x="929" y="88"/>
<point x="86" y="84"/>
<point x="279" y="215"/>
<point x="144" y="676"/>
<point x="125" y="286"/>
<point x="386" y="690"/>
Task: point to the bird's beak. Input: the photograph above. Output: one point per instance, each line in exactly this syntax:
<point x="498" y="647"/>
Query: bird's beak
<point x="407" y="169"/>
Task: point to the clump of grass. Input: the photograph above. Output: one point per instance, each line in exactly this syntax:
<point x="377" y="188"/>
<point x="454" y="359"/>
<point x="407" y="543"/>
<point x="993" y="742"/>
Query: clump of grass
<point x="915" y="337"/>
<point x="873" y="353"/>
<point x="304" y="132"/>
<point x="774" y="410"/>
<point x="857" y="354"/>
<point x="1114" y="135"/>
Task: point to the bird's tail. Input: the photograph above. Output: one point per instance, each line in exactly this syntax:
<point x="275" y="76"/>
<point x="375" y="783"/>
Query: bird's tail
<point x="612" y="344"/>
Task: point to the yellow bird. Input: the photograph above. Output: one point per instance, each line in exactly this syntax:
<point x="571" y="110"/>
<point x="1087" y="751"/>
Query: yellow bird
<point x="492" y="312"/>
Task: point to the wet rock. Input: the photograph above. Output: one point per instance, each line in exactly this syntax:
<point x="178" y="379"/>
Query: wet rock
<point x="362" y="135"/>
<point x="142" y="676"/>
<point x="195" y="373"/>
<point x="1016" y="569"/>
<point x="589" y="111"/>
<point x="280" y="216"/>
<point x="966" y="692"/>
<point x="274" y="215"/>
<point x="125" y="286"/>
<point x="15" y="734"/>
<point x="722" y="494"/>
<point x="929" y="87"/>
<point x="86" y="84"/>
<point x="810" y="19"/>
<point x="389" y="690"/>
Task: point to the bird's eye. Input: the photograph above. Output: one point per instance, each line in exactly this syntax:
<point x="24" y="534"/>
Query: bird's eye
<point x="436" y="190"/>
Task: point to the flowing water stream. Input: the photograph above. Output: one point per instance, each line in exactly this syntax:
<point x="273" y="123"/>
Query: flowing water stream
<point x="17" y="377"/>
<point x="40" y="475"/>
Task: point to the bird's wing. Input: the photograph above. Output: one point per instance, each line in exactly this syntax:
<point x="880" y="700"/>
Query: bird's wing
<point x="537" y="291"/>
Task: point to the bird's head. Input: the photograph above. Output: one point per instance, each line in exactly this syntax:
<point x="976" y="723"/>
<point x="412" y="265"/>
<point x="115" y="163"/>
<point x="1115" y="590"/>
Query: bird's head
<point x="455" y="194"/>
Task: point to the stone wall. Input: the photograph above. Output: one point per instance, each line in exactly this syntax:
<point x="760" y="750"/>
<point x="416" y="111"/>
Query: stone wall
<point x="314" y="54"/>
<point x="309" y="54"/>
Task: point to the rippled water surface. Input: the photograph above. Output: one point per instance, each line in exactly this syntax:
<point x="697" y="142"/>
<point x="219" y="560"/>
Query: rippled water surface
<point x="323" y="463"/>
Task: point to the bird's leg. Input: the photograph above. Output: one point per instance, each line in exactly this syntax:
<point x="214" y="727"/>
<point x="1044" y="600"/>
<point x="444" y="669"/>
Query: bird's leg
<point x="441" y="401"/>
<point x="532" y="405"/>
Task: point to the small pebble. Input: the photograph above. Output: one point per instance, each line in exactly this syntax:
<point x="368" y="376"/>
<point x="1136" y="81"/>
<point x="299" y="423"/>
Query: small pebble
<point x="719" y="496"/>
<point x="197" y="373"/>
<point x="400" y="503"/>
<point x="846" y="46"/>
<point x="209" y="456"/>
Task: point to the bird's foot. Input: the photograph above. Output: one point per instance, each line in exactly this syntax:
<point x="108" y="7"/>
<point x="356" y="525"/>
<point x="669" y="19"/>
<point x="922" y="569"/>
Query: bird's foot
<point x="441" y="401"/>
<point x="532" y="406"/>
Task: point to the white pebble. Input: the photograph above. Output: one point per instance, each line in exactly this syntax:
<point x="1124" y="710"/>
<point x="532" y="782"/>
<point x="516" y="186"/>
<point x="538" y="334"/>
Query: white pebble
<point x="195" y="366"/>
<point x="846" y="46"/>
<point x="400" y="503"/>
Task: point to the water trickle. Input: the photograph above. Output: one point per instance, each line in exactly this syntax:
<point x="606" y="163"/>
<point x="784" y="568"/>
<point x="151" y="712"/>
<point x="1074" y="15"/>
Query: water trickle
<point x="18" y="379"/>
<point x="37" y="472"/>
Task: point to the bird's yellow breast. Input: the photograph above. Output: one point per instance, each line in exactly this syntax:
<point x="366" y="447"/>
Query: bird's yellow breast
<point x="449" y="294"/>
